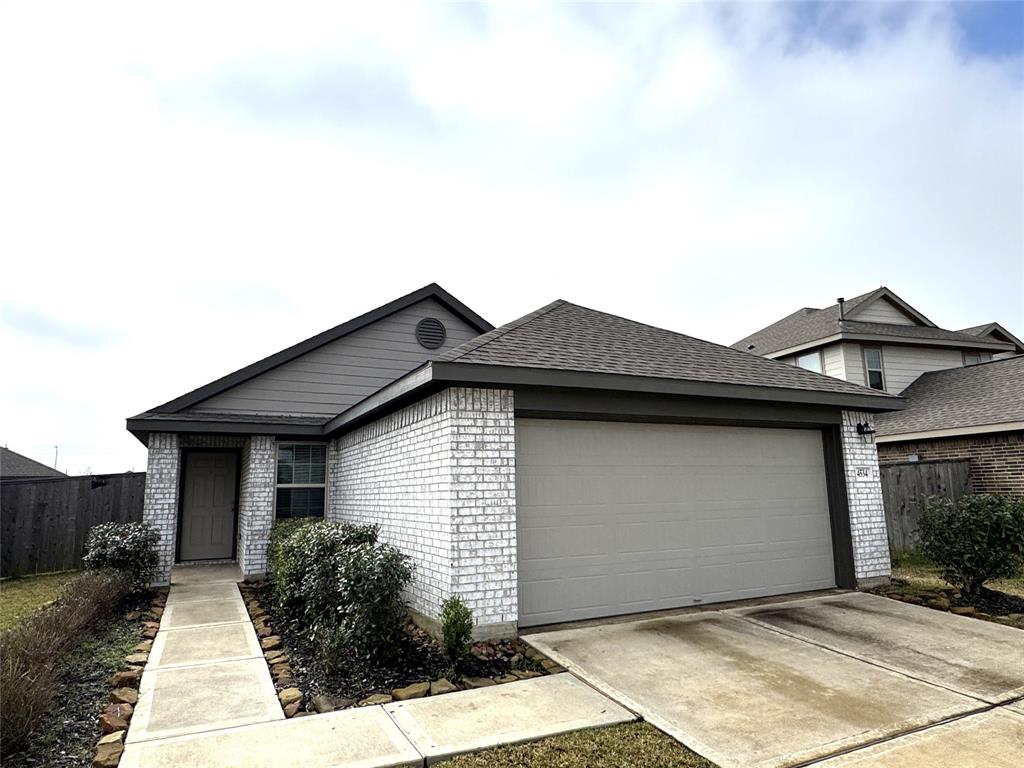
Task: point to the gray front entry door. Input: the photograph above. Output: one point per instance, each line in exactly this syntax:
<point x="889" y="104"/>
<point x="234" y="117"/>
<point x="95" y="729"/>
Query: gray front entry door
<point x="618" y="518"/>
<point x="208" y="506"/>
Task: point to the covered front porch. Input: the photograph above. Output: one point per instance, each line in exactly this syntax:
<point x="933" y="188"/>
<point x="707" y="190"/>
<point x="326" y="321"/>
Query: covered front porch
<point x="212" y="497"/>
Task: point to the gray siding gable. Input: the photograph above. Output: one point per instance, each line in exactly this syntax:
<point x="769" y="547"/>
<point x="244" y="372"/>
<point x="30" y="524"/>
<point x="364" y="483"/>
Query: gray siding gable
<point x="335" y="376"/>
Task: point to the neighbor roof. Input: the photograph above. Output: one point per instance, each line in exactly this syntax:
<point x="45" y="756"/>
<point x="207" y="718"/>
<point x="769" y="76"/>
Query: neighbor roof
<point x="996" y="330"/>
<point x="989" y="395"/>
<point x="808" y="325"/>
<point x="14" y="465"/>
<point x="432" y="291"/>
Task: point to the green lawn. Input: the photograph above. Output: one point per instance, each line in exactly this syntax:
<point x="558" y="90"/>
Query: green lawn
<point x="922" y="575"/>
<point x="637" y="745"/>
<point x="20" y="597"/>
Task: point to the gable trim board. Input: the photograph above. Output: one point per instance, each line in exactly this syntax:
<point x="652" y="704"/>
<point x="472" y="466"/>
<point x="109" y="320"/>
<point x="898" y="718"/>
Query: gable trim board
<point x="242" y="375"/>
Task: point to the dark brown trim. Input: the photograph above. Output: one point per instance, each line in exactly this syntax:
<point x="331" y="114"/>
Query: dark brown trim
<point x="558" y="403"/>
<point x="838" y="508"/>
<point x="141" y="428"/>
<point x="432" y="291"/>
<point x="182" y="454"/>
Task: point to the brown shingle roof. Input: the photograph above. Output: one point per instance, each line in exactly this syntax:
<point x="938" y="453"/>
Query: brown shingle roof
<point x="567" y="337"/>
<point x="972" y="396"/>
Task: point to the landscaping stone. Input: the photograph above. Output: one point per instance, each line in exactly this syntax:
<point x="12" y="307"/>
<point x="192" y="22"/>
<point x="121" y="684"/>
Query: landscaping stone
<point x="506" y="679"/>
<point x="478" y="682"/>
<point x="108" y="755"/>
<point x="110" y="723"/>
<point x="124" y="696"/>
<point x="275" y="657"/>
<point x="270" y="643"/>
<point x="444" y="685"/>
<point x="263" y="632"/>
<point x="278" y="669"/>
<point x="414" y="691"/>
<point x="964" y="610"/>
<point x="552" y="667"/>
<point x="292" y="709"/>
<point x="149" y="634"/>
<point x="941" y="603"/>
<point x="133" y="616"/>
<point x="122" y="710"/>
<point x="375" y="699"/>
<point x="289" y="696"/>
<point x="117" y="737"/>
<point x="912" y="599"/>
<point x="151" y="625"/>
<point x="534" y="655"/>
<point x="323" y="703"/>
<point x="157" y="611"/>
<point x="127" y="678"/>
<point x="525" y="674"/>
<point x="137" y="658"/>
<point x="144" y="647"/>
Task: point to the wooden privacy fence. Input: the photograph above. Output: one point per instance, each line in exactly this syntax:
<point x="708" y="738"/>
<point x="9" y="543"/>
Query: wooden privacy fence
<point x="43" y="523"/>
<point x="903" y="485"/>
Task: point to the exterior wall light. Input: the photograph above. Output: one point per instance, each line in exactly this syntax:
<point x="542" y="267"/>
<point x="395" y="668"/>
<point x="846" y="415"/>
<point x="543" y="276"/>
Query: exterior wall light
<point x="866" y="431"/>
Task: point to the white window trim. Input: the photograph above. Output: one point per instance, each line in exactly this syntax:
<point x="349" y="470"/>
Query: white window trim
<point x="880" y="369"/>
<point x="821" y="360"/>
<point x="963" y="358"/>
<point x="326" y="485"/>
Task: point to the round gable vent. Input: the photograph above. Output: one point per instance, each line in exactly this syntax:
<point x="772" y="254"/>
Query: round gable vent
<point x="430" y="332"/>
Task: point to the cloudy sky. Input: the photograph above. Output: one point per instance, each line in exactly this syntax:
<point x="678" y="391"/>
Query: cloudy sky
<point x="188" y="188"/>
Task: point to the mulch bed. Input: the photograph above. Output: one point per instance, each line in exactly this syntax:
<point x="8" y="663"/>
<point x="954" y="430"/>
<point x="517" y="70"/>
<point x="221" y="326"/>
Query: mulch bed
<point x="357" y="677"/>
<point x="66" y="735"/>
<point x="993" y="602"/>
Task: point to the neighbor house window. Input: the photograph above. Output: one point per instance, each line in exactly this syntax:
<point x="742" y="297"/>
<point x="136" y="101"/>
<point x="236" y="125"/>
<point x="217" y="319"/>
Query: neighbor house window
<point x="873" y="368"/>
<point x="301" y="480"/>
<point x="811" y="361"/>
<point x="972" y="358"/>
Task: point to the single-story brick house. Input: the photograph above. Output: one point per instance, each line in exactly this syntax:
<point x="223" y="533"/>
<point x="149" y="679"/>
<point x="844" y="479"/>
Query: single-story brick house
<point x="974" y="413"/>
<point x="571" y="464"/>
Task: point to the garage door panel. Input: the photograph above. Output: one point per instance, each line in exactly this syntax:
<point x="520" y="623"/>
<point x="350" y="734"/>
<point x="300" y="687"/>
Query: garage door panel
<point x="620" y="518"/>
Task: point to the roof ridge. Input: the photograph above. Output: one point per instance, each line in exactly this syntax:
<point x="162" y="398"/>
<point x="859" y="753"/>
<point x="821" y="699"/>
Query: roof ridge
<point x="479" y="342"/>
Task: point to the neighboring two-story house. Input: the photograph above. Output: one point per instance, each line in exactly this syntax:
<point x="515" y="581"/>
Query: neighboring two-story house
<point x="957" y="408"/>
<point x="877" y="340"/>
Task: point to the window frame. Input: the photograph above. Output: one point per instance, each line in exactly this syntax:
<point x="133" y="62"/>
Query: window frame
<point x="326" y="484"/>
<point x="820" y="356"/>
<point x="963" y="358"/>
<point x="880" y="369"/>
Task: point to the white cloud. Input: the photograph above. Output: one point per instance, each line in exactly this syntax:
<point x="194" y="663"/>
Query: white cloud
<point x="207" y="184"/>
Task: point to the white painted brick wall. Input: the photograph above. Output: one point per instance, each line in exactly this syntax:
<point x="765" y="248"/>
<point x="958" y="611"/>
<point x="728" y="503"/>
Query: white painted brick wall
<point x="864" y="492"/>
<point x="256" y="503"/>
<point x="439" y="478"/>
<point x="160" y="500"/>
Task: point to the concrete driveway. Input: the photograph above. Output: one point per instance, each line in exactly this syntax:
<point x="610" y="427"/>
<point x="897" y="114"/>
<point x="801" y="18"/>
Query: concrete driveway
<point x="847" y="679"/>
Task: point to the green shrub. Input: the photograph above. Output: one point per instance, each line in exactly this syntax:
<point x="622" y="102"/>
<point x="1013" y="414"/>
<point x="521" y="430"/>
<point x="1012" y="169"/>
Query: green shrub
<point x="129" y="548"/>
<point x="456" y="629"/>
<point x="980" y="537"/>
<point x="31" y="652"/>
<point x="340" y="587"/>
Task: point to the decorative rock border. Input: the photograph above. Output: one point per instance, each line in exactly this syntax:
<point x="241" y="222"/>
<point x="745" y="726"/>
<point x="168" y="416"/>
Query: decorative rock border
<point x="942" y="600"/>
<point x="524" y="660"/>
<point x="115" y="719"/>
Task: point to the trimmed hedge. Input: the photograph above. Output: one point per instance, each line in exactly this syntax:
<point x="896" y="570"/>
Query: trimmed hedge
<point x="129" y="548"/>
<point x="978" y="538"/>
<point x="339" y="586"/>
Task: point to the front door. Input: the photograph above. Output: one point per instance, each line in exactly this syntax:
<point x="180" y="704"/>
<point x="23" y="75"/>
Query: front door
<point x="208" y="506"/>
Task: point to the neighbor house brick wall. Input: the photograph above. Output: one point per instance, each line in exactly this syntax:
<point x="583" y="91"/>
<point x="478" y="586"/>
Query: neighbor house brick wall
<point x="438" y="477"/>
<point x="997" y="460"/>
<point x="256" y="503"/>
<point x="864" y="495"/>
<point x="160" y="499"/>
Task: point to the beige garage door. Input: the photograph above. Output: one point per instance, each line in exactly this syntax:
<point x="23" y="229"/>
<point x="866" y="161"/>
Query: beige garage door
<point x="619" y="518"/>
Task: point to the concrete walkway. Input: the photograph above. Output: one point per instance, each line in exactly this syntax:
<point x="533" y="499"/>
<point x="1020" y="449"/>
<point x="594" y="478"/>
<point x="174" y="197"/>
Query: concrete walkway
<point x="206" y="698"/>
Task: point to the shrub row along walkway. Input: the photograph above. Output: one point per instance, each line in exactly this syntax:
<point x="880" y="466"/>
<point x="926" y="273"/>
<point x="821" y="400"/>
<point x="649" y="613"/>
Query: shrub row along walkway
<point x="206" y="698"/>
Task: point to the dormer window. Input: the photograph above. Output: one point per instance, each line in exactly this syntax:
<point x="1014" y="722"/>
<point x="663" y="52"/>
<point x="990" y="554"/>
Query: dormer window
<point x="873" y="370"/>
<point x="810" y="361"/>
